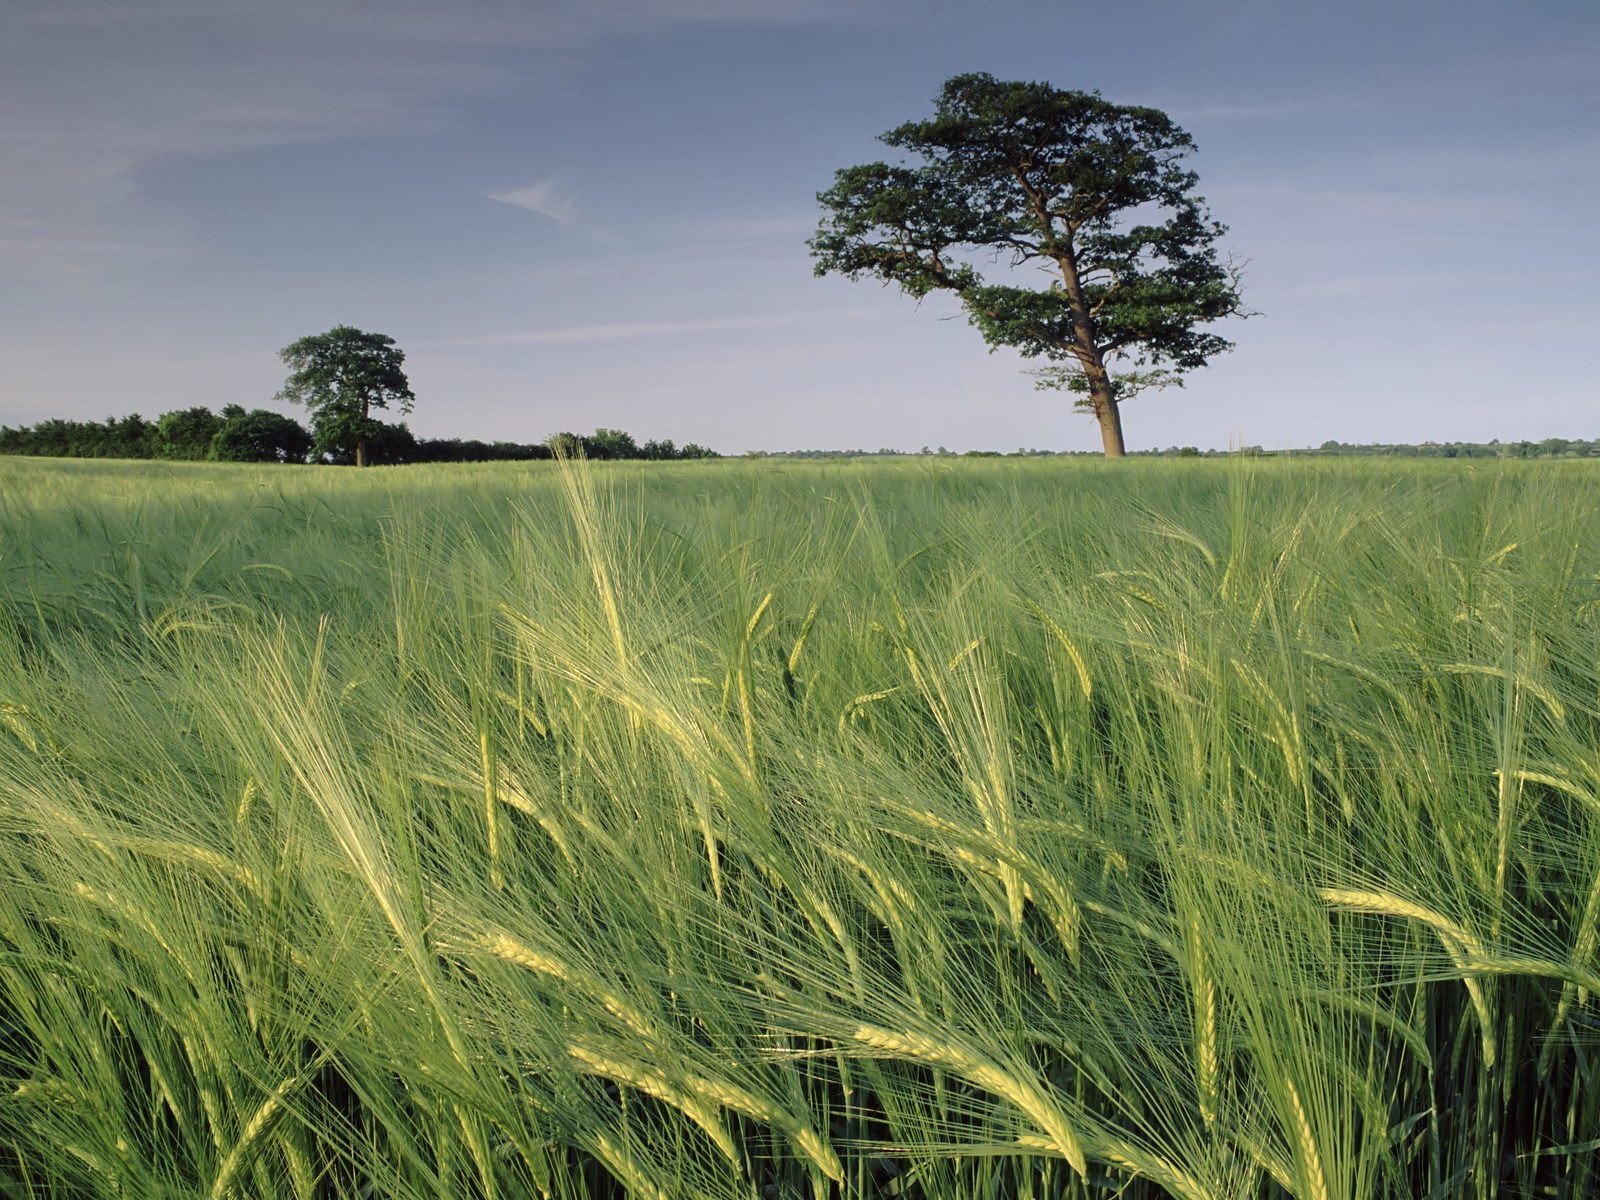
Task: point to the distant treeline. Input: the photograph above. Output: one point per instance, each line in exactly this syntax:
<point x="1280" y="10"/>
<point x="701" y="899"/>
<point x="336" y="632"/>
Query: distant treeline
<point x="258" y="435"/>
<point x="1548" y="448"/>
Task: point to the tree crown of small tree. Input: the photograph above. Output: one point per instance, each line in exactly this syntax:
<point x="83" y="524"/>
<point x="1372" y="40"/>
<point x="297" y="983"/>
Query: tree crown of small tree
<point x="259" y="436"/>
<point x="186" y="433"/>
<point x="1091" y="192"/>
<point x="341" y="376"/>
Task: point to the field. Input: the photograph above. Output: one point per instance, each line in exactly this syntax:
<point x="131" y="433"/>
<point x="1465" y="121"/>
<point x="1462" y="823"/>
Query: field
<point x="941" y="830"/>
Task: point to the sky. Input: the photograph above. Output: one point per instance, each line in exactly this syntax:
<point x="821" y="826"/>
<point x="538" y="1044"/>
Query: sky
<point x="583" y="213"/>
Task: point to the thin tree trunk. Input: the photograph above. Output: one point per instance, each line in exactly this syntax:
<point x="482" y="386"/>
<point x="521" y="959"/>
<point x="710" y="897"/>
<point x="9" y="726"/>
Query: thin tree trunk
<point x="1102" y="397"/>
<point x="361" y="452"/>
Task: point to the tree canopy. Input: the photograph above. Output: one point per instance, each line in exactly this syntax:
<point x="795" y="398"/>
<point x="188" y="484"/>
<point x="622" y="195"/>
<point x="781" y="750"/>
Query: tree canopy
<point x="1032" y="176"/>
<point x="341" y="376"/>
<point x="259" y="436"/>
<point x="262" y="436"/>
<point x="186" y="433"/>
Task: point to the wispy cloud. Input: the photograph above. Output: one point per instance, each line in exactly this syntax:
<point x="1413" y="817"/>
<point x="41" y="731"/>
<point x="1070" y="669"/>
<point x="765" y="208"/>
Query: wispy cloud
<point x="544" y="196"/>
<point x="493" y="22"/>
<point x="95" y="92"/>
<point x="80" y="125"/>
<point x="622" y="331"/>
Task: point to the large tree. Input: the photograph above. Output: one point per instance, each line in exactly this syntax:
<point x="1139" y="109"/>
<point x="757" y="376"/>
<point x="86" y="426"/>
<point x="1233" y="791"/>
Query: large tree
<point x="341" y="376"/>
<point x="1026" y="175"/>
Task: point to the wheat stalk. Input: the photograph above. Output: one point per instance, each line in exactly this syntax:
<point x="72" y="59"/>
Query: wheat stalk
<point x="1457" y="942"/>
<point x="269" y="1108"/>
<point x="1024" y="1094"/>
<point x="1306" y="1143"/>
<point x="507" y="948"/>
<point x="595" y="1059"/>
<point x="1207" y="1068"/>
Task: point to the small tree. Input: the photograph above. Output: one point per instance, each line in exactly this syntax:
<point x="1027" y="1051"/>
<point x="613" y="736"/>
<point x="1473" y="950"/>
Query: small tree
<point x="611" y="443"/>
<point x="341" y="376"/>
<point x="392" y="444"/>
<point x="1090" y="192"/>
<point x="186" y="433"/>
<point x="259" y="436"/>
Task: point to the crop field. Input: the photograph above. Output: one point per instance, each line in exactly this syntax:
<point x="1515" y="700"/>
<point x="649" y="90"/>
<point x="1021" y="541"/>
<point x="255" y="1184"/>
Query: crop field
<point x="930" y="829"/>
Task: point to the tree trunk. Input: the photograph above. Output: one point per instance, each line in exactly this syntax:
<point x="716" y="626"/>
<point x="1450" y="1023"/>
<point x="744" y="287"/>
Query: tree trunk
<point x="1111" y="431"/>
<point x="361" y="452"/>
<point x="1102" y="397"/>
<point x="1104" y="403"/>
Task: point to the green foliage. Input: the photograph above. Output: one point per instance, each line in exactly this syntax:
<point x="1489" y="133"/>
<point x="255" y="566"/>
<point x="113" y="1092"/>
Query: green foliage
<point x="1033" y="176"/>
<point x="264" y="436"/>
<point x="259" y="436"/>
<point x="614" y="444"/>
<point x="439" y="450"/>
<point x="1548" y="448"/>
<point x="381" y="444"/>
<point x="341" y="376"/>
<point x="186" y="433"/>
<point x="939" y="828"/>
<point x="116" y="437"/>
<point x="611" y="443"/>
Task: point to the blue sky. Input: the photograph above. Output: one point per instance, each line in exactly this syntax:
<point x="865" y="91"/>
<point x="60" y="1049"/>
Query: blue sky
<point x="576" y="213"/>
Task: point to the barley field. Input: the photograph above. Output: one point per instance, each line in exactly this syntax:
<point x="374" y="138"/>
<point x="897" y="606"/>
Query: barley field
<point x="923" y="829"/>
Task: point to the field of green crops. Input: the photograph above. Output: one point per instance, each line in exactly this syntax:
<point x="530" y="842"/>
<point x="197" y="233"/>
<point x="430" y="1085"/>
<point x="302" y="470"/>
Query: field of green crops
<point x="930" y="829"/>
